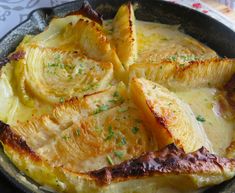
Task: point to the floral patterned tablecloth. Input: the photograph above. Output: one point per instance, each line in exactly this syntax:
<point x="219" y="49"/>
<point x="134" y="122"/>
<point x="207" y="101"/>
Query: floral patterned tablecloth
<point x="12" y="12"/>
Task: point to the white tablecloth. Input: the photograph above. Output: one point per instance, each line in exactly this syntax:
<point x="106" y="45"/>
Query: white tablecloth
<point x="12" y="12"/>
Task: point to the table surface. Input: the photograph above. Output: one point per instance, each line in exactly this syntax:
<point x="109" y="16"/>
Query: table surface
<point x="13" y="12"/>
<point x="222" y="9"/>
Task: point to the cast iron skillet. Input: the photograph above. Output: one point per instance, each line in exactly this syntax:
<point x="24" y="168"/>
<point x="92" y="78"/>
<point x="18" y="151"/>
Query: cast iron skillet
<point x="202" y="27"/>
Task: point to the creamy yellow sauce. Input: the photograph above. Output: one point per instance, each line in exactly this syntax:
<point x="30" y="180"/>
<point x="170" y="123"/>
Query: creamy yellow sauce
<point x="204" y="104"/>
<point x="159" y="41"/>
<point x="12" y="109"/>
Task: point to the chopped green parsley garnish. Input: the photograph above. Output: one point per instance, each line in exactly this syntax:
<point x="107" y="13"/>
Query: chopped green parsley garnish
<point x="200" y="118"/>
<point x="113" y="100"/>
<point x="70" y="77"/>
<point x="61" y="100"/>
<point x="78" y="132"/>
<point x="65" y="137"/>
<point x="135" y="130"/>
<point x="181" y="65"/>
<point x="119" y="154"/>
<point x="52" y="65"/>
<point x="172" y="58"/>
<point x="98" y="129"/>
<point x="116" y="94"/>
<point x="80" y="71"/>
<point x="122" y="110"/>
<point x="110" y="134"/>
<point x="123" y="141"/>
<point x="101" y="108"/>
<point x="88" y="87"/>
<point x="109" y="159"/>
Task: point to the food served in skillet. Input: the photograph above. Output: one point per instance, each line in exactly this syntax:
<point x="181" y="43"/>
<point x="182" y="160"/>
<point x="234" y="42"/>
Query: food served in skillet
<point x="118" y="106"/>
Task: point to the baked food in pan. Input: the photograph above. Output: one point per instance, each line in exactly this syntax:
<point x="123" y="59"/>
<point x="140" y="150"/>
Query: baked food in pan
<point x="117" y="106"/>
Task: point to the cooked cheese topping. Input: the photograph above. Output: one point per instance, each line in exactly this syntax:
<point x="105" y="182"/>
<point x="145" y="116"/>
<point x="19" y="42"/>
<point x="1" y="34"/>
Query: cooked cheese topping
<point x="204" y="104"/>
<point x="159" y="41"/>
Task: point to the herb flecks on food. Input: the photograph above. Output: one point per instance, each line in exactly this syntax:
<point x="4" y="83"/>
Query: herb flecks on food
<point x="123" y="141"/>
<point x="90" y="86"/>
<point x="78" y="132"/>
<point x="101" y="108"/>
<point x="173" y="58"/>
<point x="109" y="159"/>
<point x="65" y="137"/>
<point x="135" y="130"/>
<point x="61" y="100"/>
<point x="119" y="154"/>
<point x="110" y="134"/>
<point x="122" y="110"/>
<point x="116" y="94"/>
<point x="200" y="118"/>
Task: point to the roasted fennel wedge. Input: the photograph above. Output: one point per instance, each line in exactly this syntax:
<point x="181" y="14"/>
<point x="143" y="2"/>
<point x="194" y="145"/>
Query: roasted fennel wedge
<point x="214" y="72"/>
<point x="53" y="75"/>
<point x="170" y="119"/>
<point x="124" y="35"/>
<point x="83" y="35"/>
<point x="77" y="134"/>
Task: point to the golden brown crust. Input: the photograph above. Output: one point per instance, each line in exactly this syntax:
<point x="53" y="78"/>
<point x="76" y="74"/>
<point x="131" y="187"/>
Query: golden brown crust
<point x="9" y="138"/>
<point x="162" y="121"/>
<point x="214" y="72"/>
<point x="87" y="11"/>
<point x="168" y="160"/>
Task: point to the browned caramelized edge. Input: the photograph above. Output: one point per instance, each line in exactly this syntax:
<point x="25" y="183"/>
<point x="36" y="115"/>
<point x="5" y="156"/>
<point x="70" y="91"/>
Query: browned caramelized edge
<point x="161" y="121"/>
<point x="87" y="11"/>
<point x="11" y="139"/>
<point x="129" y="6"/>
<point x="130" y="9"/>
<point x="192" y="64"/>
<point x="171" y="160"/>
<point x="230" y="149"/>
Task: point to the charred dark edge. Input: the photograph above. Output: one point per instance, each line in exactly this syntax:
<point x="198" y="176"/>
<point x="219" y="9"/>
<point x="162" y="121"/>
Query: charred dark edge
<point x="87" y="11"/>
<point x="13" y="57"/>
<point x="171" y="160"/>
<point x="9" y="138"/>
<point x="160" y="120"/>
